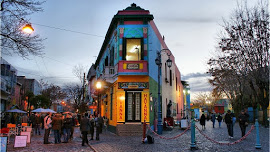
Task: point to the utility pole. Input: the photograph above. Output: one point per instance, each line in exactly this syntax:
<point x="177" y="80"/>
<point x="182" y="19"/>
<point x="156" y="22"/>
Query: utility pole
<point x="83" y="88"/>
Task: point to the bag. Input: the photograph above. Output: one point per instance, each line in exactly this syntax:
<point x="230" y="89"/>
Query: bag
<point x="246" y="123"/>
<point x="150" y="139"/>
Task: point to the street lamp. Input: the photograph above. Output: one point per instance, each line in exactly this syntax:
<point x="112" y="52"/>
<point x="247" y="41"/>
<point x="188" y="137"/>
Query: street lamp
<point x="98" y="86"/>
<point x="28" y="29"/>
<point x="159" y="64"/>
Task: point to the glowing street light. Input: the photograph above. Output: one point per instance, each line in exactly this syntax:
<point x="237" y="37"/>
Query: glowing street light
<point x="28" y="29"/>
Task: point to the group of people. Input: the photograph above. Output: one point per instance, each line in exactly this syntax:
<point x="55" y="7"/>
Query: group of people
<point x="229" y="119"/>
<point x="89" y="123"/>
<point x="62" y="125"/>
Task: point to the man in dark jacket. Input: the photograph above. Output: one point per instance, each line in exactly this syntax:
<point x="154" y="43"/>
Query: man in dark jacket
<point x="57" y="124"/>
<point x="92" y="126"/>
<point x="243" y="119"/>
<point x="84" y="127"/>
<point x="67" y="127"/>
<point x="229" y="122"/>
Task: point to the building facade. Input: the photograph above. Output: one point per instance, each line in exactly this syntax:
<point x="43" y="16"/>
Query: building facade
<point x="8" y="84"/>
<point x="128" y="74"/>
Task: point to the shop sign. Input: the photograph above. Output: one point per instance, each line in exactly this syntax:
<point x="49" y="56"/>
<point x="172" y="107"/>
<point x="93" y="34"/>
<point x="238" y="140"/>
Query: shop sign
<point x="145" y="107"/>
<point x="133" y="85"/>
<point x="121" y="106"/>
<point x="132" y="66"/>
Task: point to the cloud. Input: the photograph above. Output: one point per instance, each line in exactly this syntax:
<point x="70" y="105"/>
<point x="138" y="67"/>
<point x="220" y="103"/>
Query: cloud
<point x="198" y="82"/>
<point x="194" y="75"/>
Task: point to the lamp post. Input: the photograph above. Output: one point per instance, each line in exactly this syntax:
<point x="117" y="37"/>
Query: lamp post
<point x="98" y="86"/>
<point x="159" y="64"/>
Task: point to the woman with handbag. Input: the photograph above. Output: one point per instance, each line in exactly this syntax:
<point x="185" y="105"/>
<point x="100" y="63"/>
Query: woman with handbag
<point x="243" y="122"/>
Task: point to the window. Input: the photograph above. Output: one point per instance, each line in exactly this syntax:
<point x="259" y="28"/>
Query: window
<point x="170" y="77"/>
<point x="112" y="56"/>
<point x="176" y="83"/>
<point x="133" y="50"/>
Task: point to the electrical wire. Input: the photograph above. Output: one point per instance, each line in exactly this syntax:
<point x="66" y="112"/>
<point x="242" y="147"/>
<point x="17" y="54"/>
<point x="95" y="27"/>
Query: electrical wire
<point x="57" y="28"/>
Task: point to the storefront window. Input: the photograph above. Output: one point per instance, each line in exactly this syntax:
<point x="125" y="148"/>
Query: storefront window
<point x="133" y="49"/>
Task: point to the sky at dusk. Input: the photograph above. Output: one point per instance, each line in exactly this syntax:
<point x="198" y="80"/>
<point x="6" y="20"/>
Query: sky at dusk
<point x="190" y="29"/>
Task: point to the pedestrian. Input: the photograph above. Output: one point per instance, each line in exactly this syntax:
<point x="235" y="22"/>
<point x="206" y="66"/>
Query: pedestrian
<point x="18" y="120"/>
<point x="202" y="121"/>
<point x="98" y="121"/>
<point x="42" y="121"/>
<point x="57" y="124"/>
<point x="67" y="127"/>
<point x="47" y="126"/>
<point x="208" y="117"/>
<point x="229" y="122"/>
<point x="72" y="126"/>
<point x="219" y="118"/>
<point x="92" y="126"/>
<point x="84" y="127"/>
<point x="233" y="119"/>
<point x="37" y="124"/>
<point x="105" y="119"/>
<point x="213" y="119"/>
<point x="24" y="118"/>
<point x="32" y="120"/>
<point x="243" y="122"/>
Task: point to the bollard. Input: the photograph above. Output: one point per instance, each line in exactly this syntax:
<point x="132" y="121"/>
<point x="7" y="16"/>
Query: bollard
<point x="144" y="131"/>
<point x="193" y="143"/>
<point x="258" y="144"/>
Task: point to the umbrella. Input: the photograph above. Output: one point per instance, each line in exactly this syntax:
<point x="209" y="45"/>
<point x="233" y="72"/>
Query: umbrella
<point x="39" y="110"/>
<point x="16" y="110"/>
<point x="49" y="110"/>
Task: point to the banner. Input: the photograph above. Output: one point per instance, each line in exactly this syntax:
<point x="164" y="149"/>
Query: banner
<point x="121" y="106"/>
<point x="145" y="107"/>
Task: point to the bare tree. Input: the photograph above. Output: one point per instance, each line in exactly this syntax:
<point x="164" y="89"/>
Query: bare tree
<point x="240" y="69"/>
<point x="75" y="95"/>
<point x="14" y="15"/>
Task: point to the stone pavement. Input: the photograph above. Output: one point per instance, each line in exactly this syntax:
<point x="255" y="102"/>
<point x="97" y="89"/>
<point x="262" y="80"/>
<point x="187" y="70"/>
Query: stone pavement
<point x="109" y="142"/>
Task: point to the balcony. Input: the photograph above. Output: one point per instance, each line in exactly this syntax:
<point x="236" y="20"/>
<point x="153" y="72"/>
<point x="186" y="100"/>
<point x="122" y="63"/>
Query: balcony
<point x="109" y="74"/>
<point x="132" y="68"/>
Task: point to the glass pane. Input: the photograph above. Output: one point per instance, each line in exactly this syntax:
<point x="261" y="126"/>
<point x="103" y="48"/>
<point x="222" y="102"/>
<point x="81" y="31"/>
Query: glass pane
<point x="129" y="106"/>
<point x="133" y="50"/>
<point x="137" y="106"/>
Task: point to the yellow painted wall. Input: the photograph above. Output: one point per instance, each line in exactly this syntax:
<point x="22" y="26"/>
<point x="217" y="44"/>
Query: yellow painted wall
<point x="116" y="96"/>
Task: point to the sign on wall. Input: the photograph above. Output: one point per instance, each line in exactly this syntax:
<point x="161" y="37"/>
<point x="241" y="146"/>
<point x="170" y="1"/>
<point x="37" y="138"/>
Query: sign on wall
<point x="133" y="66"/>
<point x="133" y="85"/>
<point x="145" y="107"/>
<point x="121" y="106"/>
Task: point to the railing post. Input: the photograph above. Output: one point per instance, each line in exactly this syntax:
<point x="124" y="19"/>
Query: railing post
<point x="193" y="142"/>
<point x="144" y="131"/>
<point x="258" y="144"/>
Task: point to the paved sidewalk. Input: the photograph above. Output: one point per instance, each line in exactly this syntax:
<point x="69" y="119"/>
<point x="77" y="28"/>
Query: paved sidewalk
<point x="110" y="142"/>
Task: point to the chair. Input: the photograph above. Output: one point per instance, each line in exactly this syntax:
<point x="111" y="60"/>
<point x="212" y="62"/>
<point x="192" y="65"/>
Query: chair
<point x="12" y="129"/>
<point x="5" y="132"/>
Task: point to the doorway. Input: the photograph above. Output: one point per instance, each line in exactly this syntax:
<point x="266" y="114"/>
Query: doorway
<point x="133" y="106"/>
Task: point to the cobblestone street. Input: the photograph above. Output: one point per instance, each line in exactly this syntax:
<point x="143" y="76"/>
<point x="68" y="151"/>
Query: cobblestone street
<point x="110" y="142"/>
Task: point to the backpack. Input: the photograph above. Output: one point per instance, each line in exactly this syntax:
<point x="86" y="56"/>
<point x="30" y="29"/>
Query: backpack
<point x="150" y="139"/>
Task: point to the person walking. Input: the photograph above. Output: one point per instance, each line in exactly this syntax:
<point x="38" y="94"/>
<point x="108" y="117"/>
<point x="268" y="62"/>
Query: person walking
<point x="72" y="126"/>
<point x="24" y="118"/>
<point x="219" y="118"/>
<point x="243" y="121"/>
<point x="67" y="128"/>
<point x="98" y="121"/>
<point x="37" y="124"/>
<point x="47" y="127"/>
<point x="84" y="127"/>
<point x="57" y="124"/>
<point x="229" y="122"/>
<point x="202" y="121"/>
<point x="92" y="126"/>
<point x="213" y="119"/>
